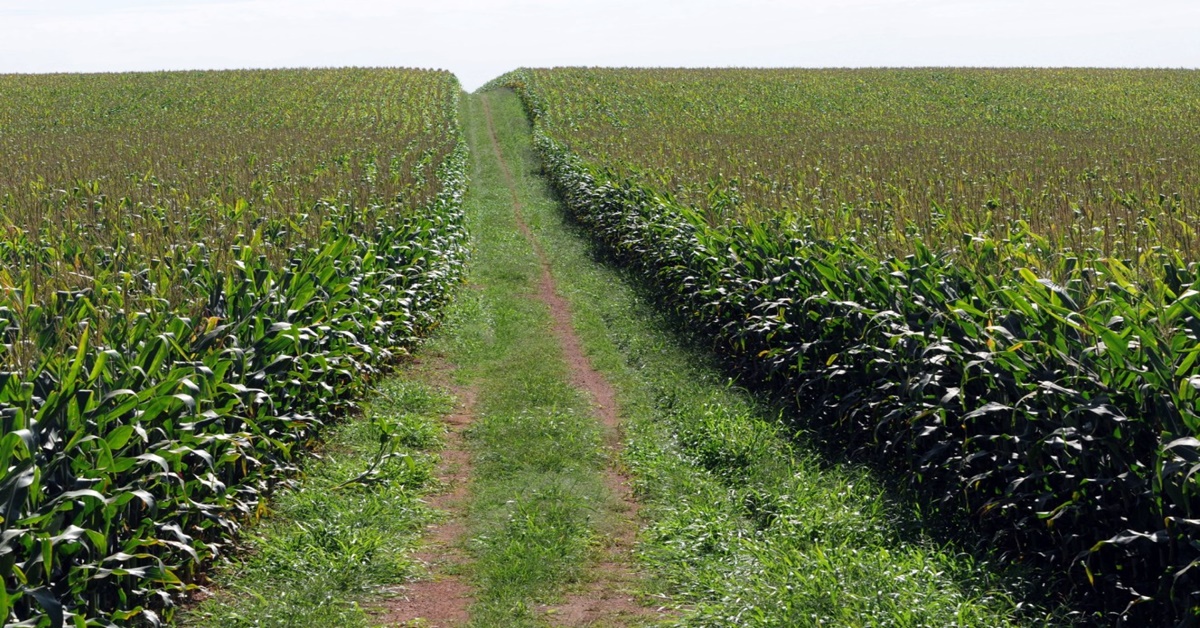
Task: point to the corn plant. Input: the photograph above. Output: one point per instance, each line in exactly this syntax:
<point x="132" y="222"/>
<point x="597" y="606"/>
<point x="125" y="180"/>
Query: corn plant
<point x="1047" y="391"/>
<point x="200" y="270"/>
<point x="1094" y="162"/>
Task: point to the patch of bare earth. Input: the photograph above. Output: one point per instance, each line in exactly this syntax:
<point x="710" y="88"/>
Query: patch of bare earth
<point x="609" y="597"/>
<point x="443" y="599"/>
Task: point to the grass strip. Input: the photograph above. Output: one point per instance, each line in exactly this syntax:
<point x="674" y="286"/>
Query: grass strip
<point x="746" y="524"/>
<point x="537" y="452"/>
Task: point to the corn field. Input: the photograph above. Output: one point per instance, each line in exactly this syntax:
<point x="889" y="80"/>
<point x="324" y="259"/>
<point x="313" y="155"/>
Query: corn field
<point x="198" y="270"/>
<point x="1081" y="162"/>
<point x="984" y="280"/>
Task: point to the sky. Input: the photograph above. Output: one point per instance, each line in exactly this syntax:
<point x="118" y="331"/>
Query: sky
<point x="481" y="39"/>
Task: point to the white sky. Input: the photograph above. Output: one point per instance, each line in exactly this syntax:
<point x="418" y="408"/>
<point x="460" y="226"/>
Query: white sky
<point x="481" y="39"/>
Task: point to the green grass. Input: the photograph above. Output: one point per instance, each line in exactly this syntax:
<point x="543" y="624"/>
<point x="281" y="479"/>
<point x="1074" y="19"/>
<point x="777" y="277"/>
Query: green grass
<point x="345" y="530"/>
<point x="537" y="452"/>
<point x="746" y="524"/>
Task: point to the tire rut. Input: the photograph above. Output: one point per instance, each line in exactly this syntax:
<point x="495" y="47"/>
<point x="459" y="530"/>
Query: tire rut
<point x="443" y="600"/>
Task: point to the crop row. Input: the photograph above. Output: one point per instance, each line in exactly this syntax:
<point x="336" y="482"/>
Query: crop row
<point x="183" y="314"/>
<point x="1060" y="415"/>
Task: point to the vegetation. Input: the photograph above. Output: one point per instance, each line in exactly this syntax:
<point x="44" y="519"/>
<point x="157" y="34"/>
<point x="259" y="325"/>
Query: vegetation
<point x="199" y="271"/>
<point x="1018" y="342"/>
<point x="984" y="281"/>
<point x="348" y="527"/>
<point x="743" y="524"/>
<point x="1079" y="163"/>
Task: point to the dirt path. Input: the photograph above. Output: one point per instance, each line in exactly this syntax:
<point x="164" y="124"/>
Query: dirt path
<point x="608" y="599"/>
<point x="443" y="600"/>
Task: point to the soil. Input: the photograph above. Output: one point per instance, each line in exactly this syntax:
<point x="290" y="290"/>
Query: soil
<point x="443" y="600"/>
